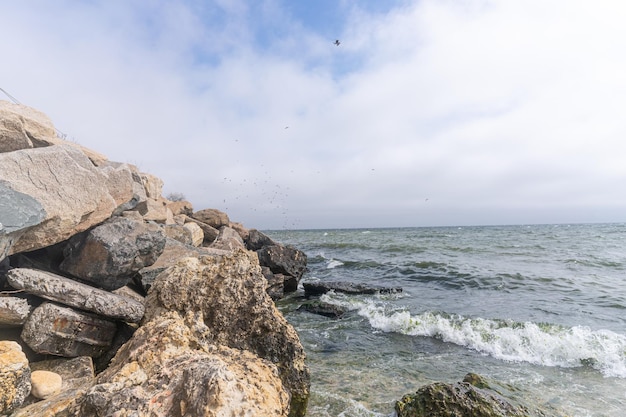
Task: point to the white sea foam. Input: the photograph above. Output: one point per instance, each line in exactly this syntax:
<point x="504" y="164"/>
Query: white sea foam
<point x="536" y="343"/>
<point x="333" y="263"/>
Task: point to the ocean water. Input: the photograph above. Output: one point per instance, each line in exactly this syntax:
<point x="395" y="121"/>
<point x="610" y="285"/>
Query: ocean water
<point x="540" y="308"/>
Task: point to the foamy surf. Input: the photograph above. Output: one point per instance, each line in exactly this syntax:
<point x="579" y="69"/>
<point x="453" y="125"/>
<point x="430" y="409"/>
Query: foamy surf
<point x="537" y="343"/>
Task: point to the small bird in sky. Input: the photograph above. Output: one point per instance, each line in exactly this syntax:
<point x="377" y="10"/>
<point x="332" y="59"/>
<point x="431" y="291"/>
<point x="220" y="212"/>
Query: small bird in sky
<point x="337" y="42"/>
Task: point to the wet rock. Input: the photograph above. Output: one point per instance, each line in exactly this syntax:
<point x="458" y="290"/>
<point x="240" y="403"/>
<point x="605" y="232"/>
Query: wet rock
<point x="319" y="288"/>
<point x="286" y="260"/>
<point x="74" y="294"/>
<point x="13" y="311"/>
<point x="62" y="331"/>
<point x="212" y="217"/>
<point x="169" y="368"/>
<point x="14" y="376"/>
<point x="225" y="296"/>
<point x="109" y="255"/>
<point x="323" y="309"/>
<point x="45" y="384"/>
<point x="458" y="399"/>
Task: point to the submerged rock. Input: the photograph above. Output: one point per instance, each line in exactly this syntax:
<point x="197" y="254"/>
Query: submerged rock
<point x="472" y="397"/>
<point x="319" y="288"/>
<point x="323" y="309"/>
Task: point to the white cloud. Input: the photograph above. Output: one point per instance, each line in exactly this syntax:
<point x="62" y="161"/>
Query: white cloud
<point x="493" y="111"/>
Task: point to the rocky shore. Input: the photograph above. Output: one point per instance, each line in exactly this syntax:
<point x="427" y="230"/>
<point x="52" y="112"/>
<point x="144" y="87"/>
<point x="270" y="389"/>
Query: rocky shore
<point x="115" y="301"/>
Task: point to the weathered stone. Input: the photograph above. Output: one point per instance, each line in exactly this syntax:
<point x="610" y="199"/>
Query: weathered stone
<point x="74" y="294"/>
<point x="227" y="295"/>
<point x="60" y="405"/>
<point x="319" y="288"/>
<point x="286" y="260"/>
<point x="170" y="369"/>
<point x="243" y="232"/>
<point x="155" y="211"/>
<point x="275" y="283"/>
<point x="76" y="373"/>
<point x="45" y="384"/>
<point x="212" y="217"/>
<point x="22" y="127"/>
<point x="210" y="233"/>
<point x="256" y="240"/>
<point x="111" y="254"/>
<point x="228" y="239"/>
<point x="14" y="376"/>
<point x="180" y="207"/>
<point x="172" y="253"/>
<point x="458" y="399"/>
<point x="197" y="235"/>
<point x="13" y="311"/>
<point x="62" y="331"/>
<point x="152" y="184"/>
<point x="47" y="195"/>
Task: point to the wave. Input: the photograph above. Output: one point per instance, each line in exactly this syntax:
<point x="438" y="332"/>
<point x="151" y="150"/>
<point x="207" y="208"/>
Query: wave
<point x="536" y="343"/>
<point x="333" y="263"/>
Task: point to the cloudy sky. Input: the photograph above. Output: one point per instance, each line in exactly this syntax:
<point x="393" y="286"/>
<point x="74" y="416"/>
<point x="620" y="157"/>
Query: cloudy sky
<point x="428" y="112"/>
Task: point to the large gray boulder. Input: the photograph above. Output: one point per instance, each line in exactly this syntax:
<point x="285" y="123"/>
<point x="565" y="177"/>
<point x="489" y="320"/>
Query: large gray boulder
<point x="111" y="254"/>
<point x="281" y="259"/>
<point x="49" y="194"/>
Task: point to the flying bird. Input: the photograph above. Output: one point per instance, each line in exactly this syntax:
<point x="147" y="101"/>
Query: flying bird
<point x="337" y="42"/>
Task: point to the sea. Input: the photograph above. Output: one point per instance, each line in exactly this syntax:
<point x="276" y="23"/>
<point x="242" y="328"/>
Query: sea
<point x="541" y="309"/>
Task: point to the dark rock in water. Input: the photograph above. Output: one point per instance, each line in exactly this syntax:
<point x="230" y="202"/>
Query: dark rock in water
<point x="257" y="240"/>
<point x="319" y="288"/>
<point x="283" y="259"/>
<point x="460" y="399"/>
<point x="275" y="283"/>
<point x="110" y="254"/>
<point x="323" y="309"/>
<point x="62" y="331"/>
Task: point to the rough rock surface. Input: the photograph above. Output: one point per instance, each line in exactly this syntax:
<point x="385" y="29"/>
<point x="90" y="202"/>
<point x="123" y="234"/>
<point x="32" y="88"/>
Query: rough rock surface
<point x="256" y="240"/>
<point x="459" y="399"/>
<point x="47" y="195"/>
<point x="228" y="239"/>
<point x="169" y="368"/>
<point x="226" y="294"/>
<point x="62" y="331"/>
<point x="22" y="127"/>
<point x="14" y="376"/>
<point x="111" y="254"/>
<point x="13" y="311"/>
<point x="71" y="293"/>
<point x="283" y="260"/>
<point x="212" y="217"/>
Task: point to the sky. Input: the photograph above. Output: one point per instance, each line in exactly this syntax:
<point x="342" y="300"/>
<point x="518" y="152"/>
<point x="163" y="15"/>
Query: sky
<point x="427" y="113"/>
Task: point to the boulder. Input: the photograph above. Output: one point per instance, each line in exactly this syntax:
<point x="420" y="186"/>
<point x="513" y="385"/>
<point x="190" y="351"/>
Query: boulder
<point x="22" y="127"/>
<point x="14" y="376"/>
<point x="286" y="260"/>
<point x="323" y="309"/>
<point x="74" y="294"/>
<point x="45" y="384"/>
<point x="49" y="194"/>
<point x="173" y="251"/>
<point x="243" y="232"/>
<point x="152" y="184"/>
<point x="111" y="254"/>
<point x="156" y="211"/>
<point x="62" y="331"/>
<point x="228" y="239"/>
<point x="197" y="235"/>
<point x="180" y="207"/>
<point x="319" y="288"/>
<point x="13" y="311"/>
<point x="212" y="217"/>
<point x="179" y="233"/>
<point x="225" y="297"/>
<point x="459" y="399"/>
<point x="76" y="373"/>
<point x="275" y="287"/>
<point x="257" y="240"/>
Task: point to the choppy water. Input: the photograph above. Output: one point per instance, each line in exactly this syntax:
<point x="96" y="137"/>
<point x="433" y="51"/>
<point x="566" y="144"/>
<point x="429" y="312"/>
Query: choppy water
<point x="542" y="308"/>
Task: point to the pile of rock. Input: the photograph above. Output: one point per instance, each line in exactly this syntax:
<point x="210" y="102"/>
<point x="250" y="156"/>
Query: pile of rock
<point x="114" y="299"/>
